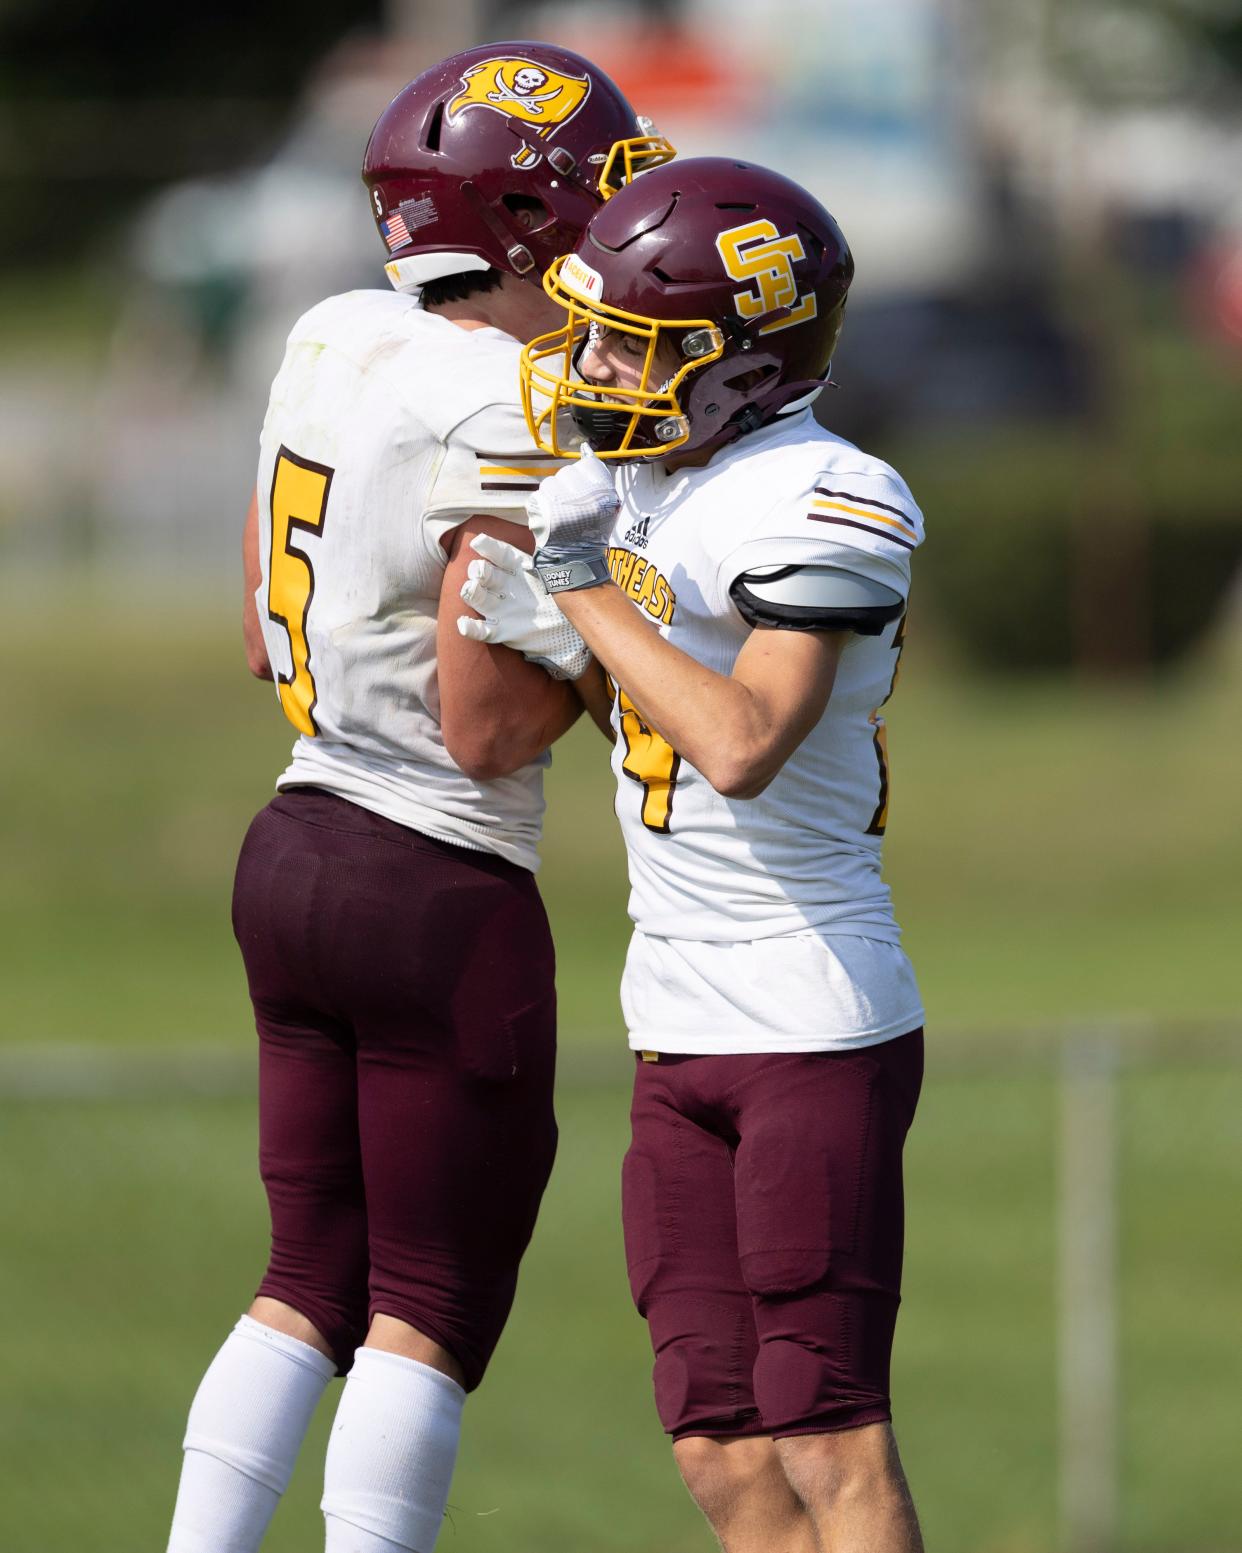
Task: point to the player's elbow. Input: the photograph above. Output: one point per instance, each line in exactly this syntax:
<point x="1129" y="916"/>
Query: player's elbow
<point x="480" y="755"/>
<point x="256" y="648"/>
<point x="746" y="761"/>
<point x="740" y="775"/>
<point x="256" y="661"/>
<point x="484" y="769"/>
<point x="742" y="785"/>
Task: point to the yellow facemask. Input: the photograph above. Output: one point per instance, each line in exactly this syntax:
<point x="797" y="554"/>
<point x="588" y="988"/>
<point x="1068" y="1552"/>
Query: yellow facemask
<point x="552" y="388"/>
<point x="629" y="158"/>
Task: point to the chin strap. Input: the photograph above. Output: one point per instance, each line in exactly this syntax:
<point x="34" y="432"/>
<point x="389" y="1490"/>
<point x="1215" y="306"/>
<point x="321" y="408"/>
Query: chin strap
<point x="794" y="397"/>
<point x="750" y="417"/>
<point x="518" y="254"/>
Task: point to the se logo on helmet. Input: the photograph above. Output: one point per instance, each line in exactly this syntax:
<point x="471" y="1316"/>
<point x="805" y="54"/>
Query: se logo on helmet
<point x="758" y="253"/>
<point x="522" y="90"/>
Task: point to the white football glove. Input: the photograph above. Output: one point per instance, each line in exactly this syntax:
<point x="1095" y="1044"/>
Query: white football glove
<point x="518" y="611"/>
<point x="576" y="505"/>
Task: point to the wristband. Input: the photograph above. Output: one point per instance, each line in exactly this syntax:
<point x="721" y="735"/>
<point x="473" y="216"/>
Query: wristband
<point x="564" y="568"/>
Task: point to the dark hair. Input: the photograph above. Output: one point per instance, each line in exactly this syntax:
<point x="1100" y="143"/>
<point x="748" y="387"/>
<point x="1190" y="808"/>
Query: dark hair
<point x="457" y="288"/>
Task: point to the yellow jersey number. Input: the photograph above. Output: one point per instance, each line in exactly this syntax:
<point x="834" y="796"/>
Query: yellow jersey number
<point x="879" y="820"/>
<point x="299" y="501"/>
<point x="650" y="760"/>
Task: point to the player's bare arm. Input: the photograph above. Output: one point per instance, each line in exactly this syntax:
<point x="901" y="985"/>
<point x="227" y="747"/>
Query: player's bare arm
<point x="498" y="712"/>
<point x="594" y="693"/>
<point x="252" y="632"/>
<point x="738" y="729"/>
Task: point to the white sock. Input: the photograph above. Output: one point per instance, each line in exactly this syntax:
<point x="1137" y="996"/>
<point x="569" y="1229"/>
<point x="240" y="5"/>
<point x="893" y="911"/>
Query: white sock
<point x="391" y="1455"/>
<point x="247" y="1421"/>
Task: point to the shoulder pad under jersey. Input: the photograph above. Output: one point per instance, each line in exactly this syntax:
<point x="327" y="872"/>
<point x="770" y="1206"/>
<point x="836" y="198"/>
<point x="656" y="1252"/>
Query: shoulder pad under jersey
<point x="815" y="598"/>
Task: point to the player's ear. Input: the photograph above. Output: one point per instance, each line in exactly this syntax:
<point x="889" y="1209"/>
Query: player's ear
<point x="529" y="212"/>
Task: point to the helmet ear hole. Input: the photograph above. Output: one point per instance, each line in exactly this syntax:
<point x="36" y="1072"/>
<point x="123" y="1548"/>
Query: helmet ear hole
<point x="744" y="382"/>
<point x="529" y="212"/>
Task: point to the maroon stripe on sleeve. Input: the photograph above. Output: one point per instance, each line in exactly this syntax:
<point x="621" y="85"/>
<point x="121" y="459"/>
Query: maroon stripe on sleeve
<point x="864" y="501"/>
<point x="819" y="517"/>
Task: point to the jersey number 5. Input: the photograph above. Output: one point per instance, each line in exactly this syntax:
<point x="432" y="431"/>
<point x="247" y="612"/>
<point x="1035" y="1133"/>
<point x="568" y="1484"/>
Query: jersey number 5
<point x="299" y="501"/>
<point x="651" y="761"/>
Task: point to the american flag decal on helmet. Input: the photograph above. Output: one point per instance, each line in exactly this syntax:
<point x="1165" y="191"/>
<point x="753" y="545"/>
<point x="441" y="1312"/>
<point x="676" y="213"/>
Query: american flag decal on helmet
<point x="396" y="233"/>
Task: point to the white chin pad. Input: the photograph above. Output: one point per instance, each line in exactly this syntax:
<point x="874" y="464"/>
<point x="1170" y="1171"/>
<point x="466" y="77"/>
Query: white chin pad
<point x="417" y="269"/>
<point x="801" y="404"/>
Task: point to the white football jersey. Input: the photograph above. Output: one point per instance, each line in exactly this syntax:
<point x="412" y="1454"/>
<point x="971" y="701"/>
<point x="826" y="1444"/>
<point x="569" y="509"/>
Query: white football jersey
<point x="387" y="426"/>
<point x="802" y="860"/>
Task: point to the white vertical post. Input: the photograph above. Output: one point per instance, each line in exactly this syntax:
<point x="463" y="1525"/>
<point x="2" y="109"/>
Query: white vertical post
<point x="1087" y="1294"/>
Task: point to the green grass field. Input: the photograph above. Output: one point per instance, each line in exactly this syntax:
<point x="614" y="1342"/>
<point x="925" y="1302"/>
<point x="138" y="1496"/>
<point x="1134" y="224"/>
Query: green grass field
<point x="1056" y="855"/>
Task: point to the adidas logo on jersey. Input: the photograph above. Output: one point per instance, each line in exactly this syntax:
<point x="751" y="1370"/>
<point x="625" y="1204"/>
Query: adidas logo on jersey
<point x="638" y="535"/>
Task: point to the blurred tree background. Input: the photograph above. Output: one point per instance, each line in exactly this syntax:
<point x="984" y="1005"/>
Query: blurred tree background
<point x="104" y="103"/>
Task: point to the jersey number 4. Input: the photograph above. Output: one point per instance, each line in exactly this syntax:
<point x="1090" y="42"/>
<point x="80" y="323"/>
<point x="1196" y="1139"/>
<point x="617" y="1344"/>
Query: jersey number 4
<point x="650" y="760"/>
<point x="299" y="501"/>
<point x="879" y="820"/>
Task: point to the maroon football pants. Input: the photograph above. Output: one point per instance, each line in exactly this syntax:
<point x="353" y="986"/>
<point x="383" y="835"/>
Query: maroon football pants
<point x="403" y="994"/>
<point x="763" y="1210"/>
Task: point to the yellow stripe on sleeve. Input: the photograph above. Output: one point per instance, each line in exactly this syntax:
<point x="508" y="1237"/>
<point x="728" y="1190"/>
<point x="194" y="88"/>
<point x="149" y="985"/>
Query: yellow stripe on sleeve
<point x="864" y="512"/>
<point x="522" y="469"/>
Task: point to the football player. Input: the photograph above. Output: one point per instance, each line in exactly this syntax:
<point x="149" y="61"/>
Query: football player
<point x="743" y="580"/>
<point x="395" y="945"/>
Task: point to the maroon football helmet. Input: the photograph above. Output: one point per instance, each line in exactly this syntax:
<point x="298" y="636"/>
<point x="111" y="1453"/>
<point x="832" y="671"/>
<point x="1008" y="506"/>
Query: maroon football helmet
<point x="733" y="281"/>
<point x="497" y="158"/>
